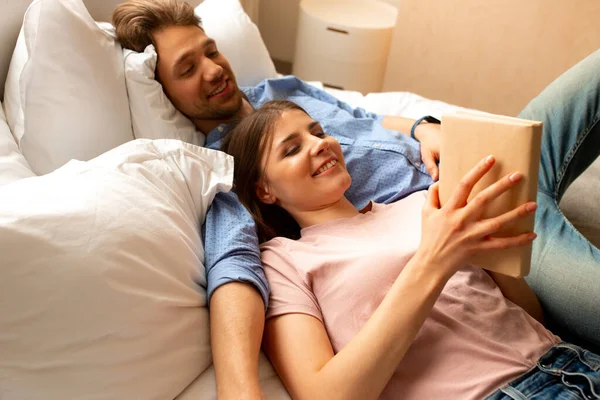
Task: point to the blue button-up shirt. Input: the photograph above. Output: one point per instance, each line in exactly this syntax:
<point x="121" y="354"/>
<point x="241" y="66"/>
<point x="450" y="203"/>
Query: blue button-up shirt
<point x="385" y="166"/>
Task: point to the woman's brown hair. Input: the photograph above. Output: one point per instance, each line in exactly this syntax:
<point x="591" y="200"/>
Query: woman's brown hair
<point x="135" y="21"/>
<point x="248" y="140"/>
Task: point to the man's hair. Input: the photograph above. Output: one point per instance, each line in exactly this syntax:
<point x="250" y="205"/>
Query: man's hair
<point x="136" y="20"/>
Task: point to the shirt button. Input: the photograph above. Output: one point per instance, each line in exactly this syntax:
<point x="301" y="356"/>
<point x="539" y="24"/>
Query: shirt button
<point x="220" y="129"/>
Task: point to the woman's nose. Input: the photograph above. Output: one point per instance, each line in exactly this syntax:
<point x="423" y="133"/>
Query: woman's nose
<point x="320" y="145"/>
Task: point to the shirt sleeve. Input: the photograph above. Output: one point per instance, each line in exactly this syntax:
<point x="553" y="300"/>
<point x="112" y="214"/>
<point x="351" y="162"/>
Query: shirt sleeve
<point x="289" y="292"/>
<point x="231" y="246"/>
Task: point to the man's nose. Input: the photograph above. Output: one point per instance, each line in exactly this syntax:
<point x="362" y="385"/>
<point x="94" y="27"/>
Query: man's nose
<point x="212" y="71"/>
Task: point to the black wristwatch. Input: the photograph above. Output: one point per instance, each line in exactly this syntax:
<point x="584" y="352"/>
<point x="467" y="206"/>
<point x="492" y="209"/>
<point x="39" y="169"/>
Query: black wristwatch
<point x="427" y="118"/>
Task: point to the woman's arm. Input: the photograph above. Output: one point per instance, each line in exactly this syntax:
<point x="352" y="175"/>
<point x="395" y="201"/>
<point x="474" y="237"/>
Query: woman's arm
<point x="300" y="350"/>
<point x="519" y="292"/>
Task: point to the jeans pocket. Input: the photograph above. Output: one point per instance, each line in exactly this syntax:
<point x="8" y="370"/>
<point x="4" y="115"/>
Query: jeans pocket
<point x="591" y="360"/>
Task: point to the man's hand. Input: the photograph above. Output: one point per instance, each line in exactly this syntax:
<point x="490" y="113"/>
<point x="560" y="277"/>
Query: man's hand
<point x="427" y="134"/>
<point x="429" y="137"/>
<point x="237" y="320"/>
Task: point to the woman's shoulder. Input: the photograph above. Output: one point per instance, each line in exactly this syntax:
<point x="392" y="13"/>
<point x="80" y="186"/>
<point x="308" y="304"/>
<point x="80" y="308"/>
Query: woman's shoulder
<point x="276" y="250"/>
<point x="276" y="244"/>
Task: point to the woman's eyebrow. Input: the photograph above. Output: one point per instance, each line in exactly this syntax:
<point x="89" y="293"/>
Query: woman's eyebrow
<point x="289" y="137"/>
<point x="294" y="135"/>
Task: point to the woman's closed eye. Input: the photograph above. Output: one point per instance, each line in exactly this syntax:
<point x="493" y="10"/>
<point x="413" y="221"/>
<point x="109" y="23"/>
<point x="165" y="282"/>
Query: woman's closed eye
<point x="290" y="151"/>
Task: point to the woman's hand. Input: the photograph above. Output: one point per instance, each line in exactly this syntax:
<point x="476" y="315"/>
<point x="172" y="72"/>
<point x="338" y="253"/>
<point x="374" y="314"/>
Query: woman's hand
<point x="455" y="232"/>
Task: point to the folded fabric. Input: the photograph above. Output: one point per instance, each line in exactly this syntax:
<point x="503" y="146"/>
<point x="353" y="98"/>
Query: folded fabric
<point x="13" y="165"/>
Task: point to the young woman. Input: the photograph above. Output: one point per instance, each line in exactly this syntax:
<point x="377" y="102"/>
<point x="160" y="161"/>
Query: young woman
<point x="382" y="302"/>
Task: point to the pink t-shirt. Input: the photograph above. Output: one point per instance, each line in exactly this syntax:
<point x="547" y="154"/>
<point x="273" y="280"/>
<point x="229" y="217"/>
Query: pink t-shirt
<point x="472" y="343"/>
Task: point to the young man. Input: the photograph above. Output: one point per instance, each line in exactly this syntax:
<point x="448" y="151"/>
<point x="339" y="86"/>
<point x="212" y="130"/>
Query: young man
<point x="201" y="84"/>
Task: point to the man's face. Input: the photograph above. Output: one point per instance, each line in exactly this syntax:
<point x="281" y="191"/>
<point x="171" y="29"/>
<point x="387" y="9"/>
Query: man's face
<point x="196" y="77"/>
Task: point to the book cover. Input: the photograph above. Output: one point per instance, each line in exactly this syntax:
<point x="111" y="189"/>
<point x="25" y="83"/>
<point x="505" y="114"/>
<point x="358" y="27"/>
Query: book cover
<point x="467" y="138"/>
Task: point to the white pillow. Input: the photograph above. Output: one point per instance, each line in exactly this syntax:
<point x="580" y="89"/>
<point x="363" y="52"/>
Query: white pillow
<point x="12" y="92"/>
<point x="72" y="88"/>
<point x="13" y="165"/>
<point x="238" y="39"/>
<point x="102" y="284"/>
<point x="152" y="113"/>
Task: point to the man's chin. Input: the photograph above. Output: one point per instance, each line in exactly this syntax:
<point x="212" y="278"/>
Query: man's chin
<point x="224" y="111"/>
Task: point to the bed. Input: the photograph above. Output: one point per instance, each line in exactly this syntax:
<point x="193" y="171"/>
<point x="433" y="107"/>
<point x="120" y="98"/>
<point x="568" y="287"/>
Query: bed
<point x="47" y="309"/>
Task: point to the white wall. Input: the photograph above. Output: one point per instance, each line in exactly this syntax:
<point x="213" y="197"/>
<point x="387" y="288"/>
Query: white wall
<point x="278" y="22"/>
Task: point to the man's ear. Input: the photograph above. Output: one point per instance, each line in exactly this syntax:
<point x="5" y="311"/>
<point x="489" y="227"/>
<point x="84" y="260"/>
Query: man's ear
<point x="263" y="194"/>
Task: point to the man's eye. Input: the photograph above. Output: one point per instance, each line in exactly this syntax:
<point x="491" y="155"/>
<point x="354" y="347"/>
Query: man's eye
<point x="187" y="70"/>
<point x="291" y="151"/>
<point x="213" y="54"/>
<point x="320" y="134"/>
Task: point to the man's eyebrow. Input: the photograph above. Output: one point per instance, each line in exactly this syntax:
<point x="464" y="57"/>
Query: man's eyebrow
<point x="183" y="56"/>
<point x="294" y="135"/>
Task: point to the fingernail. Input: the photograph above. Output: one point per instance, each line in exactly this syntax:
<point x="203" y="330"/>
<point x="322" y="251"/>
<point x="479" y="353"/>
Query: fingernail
<point x="489" y="159"/>
<point x="531" y="207"/>
<point x="516" y="177"/>
<point x="532" y="235"/>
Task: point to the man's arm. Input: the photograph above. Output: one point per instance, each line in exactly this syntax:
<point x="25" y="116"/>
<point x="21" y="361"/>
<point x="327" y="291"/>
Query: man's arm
<point x="237" y="292"/>
<point x="237" y="319"/>
<point x="427" y="134"/>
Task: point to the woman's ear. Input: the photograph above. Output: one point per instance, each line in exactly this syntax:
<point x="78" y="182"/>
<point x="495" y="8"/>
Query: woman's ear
<point x="263" y="194"/>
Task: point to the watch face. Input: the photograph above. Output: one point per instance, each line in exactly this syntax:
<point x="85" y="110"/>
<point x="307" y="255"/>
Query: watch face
<point x="432" y="120"/>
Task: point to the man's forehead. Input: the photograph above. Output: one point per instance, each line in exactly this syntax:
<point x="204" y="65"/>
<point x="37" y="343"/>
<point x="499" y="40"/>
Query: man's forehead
<point x="174" y="41"/>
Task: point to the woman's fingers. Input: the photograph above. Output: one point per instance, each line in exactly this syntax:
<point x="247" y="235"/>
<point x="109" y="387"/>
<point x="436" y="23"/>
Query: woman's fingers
<point x="494" y="243"/>
<point x="492" y="225"/>
<point x="433" y="196"/>
<point x="460" y="195"/>
<point x="477" y="204"/>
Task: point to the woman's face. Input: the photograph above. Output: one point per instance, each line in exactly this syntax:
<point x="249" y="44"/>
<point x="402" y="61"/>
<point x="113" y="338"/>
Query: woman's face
<point x="303" y="169"/>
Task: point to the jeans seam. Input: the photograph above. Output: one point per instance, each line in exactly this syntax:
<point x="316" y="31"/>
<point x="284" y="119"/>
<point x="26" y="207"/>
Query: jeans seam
<point x="571" y="153"/>
<point x="569" y="223"/>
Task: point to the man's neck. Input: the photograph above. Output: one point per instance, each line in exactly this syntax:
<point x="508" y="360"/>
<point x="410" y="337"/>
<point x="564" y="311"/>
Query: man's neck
<point x="340" y="209"/>
<point x="206" y="126"/>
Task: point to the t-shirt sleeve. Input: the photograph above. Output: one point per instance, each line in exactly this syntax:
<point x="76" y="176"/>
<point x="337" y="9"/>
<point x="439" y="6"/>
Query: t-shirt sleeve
<point x="289" y="292"/>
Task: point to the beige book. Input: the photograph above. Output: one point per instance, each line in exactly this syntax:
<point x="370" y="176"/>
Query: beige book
<point x="515" y="143"/>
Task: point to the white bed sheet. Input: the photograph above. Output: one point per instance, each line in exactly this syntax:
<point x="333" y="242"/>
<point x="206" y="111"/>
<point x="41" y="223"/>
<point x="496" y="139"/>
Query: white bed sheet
<point x="403" y="104"/>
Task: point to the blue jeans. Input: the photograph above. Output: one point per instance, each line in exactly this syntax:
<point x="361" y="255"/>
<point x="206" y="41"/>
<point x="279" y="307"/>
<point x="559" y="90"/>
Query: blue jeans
<point x="565" y="269"/>
<point x="565" y="372"/>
